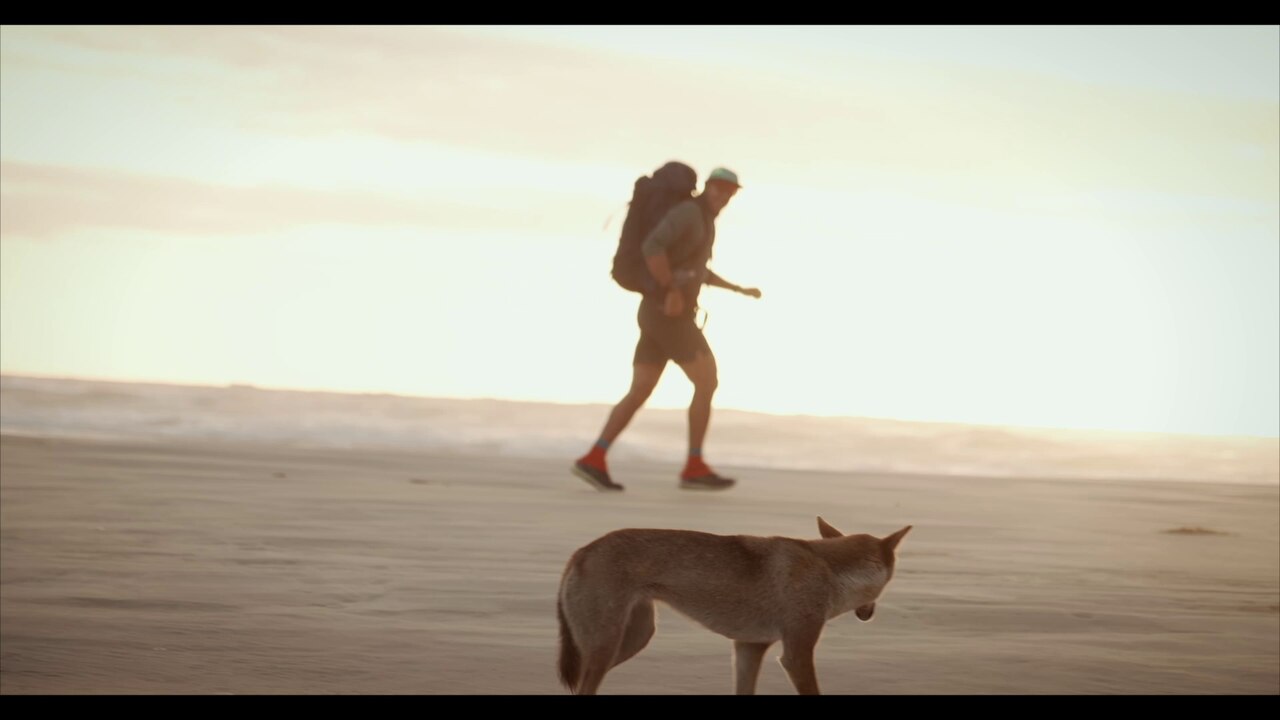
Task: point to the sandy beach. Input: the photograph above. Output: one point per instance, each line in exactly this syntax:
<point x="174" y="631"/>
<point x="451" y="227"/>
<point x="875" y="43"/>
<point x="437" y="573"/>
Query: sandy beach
<point x="203" y="567"/>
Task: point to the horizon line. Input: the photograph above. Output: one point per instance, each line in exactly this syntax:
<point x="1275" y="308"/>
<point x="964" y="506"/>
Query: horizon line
<point x="912" y="421"/>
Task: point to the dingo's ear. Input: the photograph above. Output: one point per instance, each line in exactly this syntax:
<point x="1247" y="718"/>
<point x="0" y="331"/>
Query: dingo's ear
<point x="865" y="612"/>
<point x="892" y="541"/>
<point x="826" y="530"/>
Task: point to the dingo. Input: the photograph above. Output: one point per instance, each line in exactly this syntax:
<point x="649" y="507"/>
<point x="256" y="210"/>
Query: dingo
<point x="753" y="590"/>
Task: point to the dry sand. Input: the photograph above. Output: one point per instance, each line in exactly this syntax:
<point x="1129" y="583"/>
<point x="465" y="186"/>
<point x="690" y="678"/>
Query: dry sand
<point x="181" y="568"/>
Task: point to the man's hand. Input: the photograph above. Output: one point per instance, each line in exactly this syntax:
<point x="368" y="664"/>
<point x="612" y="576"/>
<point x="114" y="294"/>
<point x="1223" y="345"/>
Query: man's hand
<point x="753" y="292"/>
<point x="673" y="304"/>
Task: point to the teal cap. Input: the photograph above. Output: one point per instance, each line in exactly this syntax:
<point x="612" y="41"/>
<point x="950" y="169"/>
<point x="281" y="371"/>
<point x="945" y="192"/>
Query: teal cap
<point x="724" y="175"/>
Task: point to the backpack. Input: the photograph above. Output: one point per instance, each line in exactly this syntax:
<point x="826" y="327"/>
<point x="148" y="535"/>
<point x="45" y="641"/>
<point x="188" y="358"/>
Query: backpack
<point x="651" y="198"/>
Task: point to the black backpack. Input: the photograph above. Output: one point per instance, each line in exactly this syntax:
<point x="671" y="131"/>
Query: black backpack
<point x="651" y="198"/>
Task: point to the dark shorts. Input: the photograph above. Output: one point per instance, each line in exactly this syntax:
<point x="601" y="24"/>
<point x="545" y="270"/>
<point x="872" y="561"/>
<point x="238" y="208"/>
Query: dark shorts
<point x="665" y="338"/>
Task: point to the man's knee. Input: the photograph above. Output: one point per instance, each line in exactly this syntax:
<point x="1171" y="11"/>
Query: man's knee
<point x="705" y="380"/>
<point x="639" y="393"/>
<point x="643" y="383"/>
<point x="707" y="385"/>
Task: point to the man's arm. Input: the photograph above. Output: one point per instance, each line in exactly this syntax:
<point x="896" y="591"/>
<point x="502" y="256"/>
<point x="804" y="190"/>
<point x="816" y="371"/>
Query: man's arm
<point x="717" y="281"/>
<point x="660" y="268"/>
<point x="654" y="248"/>
<point x="672" y="298"/>
<point x="674" y="224"/>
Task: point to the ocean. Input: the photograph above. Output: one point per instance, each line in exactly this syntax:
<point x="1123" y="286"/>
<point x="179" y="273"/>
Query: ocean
<point x="93" y="409"/>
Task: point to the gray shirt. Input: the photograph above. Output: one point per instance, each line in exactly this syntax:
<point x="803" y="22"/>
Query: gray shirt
<point x="686" y="235"/>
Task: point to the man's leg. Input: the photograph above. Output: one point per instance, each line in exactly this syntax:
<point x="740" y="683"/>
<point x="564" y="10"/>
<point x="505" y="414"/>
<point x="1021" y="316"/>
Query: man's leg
<point x="702" y="373"/>
<point x="644" y="378"/>
<point x="592" y="466"/>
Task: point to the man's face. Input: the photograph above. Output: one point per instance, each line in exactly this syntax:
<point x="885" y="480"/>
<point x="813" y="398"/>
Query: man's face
<point x="719" y="193"/>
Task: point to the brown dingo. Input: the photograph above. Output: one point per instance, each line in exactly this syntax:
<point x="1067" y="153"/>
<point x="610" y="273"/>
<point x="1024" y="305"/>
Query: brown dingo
<point x="753" y="590"/>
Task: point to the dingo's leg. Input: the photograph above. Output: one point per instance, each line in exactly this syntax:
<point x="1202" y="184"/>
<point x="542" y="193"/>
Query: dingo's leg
<point x="596" y="661"/>
<point x="598" y="631"/>
<point x="797" y="659"/>
<point x="747" y="657"/>
<point x="640" y="628"/>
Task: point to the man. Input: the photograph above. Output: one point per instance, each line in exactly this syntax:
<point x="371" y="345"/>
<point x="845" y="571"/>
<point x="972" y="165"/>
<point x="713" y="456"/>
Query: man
<point x="676" y="253"/>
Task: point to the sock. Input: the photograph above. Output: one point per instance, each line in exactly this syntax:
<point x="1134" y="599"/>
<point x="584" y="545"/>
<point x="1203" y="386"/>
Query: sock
<point x="595" y="457"/>
<point x="695" y="465"/>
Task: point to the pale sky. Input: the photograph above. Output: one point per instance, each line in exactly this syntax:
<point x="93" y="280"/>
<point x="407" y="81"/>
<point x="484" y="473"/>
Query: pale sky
<point x="1052" y="226"/>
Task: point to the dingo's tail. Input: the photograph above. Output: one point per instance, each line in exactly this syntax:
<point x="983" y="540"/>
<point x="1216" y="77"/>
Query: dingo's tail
<point x="570" y="660"/>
